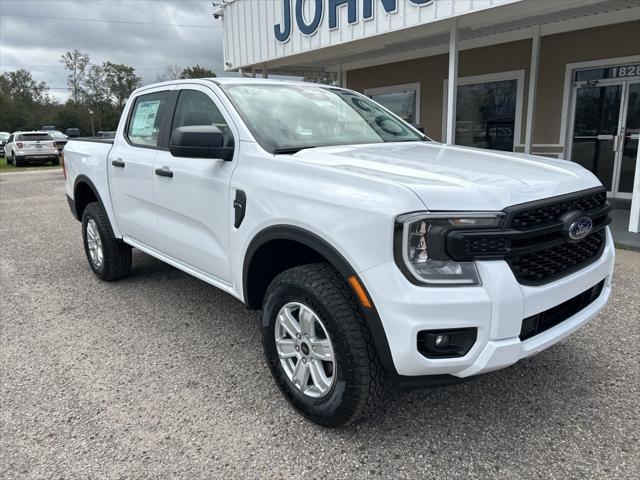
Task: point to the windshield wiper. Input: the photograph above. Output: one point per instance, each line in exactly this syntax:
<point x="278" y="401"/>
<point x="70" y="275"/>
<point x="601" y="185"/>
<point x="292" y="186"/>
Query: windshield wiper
<point x="290" y="150"/>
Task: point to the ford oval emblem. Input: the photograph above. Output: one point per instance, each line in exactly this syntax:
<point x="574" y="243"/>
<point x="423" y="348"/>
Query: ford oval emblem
<point x="580" y="228"/>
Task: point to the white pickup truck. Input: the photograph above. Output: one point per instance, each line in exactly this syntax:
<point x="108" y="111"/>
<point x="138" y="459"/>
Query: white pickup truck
<point x="376" y="255"/>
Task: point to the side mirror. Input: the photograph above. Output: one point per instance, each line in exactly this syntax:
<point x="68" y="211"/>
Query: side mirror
<point x="200" y="141"/>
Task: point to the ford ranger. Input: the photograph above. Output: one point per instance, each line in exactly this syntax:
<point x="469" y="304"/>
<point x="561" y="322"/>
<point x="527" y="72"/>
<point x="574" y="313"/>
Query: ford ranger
<point x="376" y="256"/>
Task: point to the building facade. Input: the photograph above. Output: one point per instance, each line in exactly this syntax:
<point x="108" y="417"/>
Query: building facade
<point x="558" y="78"/>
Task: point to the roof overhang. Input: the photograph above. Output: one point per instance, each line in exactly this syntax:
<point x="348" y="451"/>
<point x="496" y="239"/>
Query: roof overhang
<point x="502" y="21"/>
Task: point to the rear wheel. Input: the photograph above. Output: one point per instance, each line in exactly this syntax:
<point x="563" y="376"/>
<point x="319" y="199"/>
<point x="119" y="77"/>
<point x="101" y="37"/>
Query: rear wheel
<point x="17" y="161"/>
<point x="109" y="258"/>
<point x="318" y="346"/>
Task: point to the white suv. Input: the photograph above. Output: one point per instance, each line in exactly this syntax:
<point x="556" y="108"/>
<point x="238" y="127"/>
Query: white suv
<point x="27" y="147"/>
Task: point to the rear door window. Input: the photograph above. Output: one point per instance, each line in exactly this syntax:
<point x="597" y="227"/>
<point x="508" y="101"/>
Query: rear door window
<point x="146" y="119"/>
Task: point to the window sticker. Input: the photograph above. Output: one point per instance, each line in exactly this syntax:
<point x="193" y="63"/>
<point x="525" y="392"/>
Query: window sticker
<point x="145" y="118"/>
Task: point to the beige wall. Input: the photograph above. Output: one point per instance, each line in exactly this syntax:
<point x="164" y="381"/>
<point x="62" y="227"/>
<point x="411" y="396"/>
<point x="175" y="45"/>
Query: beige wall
<point x="556" y="52"/>
<point x="429" y="71"/>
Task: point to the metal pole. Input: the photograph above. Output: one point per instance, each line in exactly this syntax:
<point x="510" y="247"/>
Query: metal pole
<point x="265" y="71"/>
<point x="452" y="85"/>
<point x="634" y="218"/>
<point x="533" y="82"/>
<point x="93" y="133"/>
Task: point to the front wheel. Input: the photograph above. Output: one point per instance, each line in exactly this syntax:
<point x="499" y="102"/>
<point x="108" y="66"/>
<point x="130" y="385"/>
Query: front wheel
<point x="109" y="258"/>
<point x="318" y="346"/>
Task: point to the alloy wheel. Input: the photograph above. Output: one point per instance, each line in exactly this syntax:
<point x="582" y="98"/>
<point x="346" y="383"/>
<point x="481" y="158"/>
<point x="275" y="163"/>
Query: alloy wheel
<point x="305" y="350"/>
<point x="94" y="243"/>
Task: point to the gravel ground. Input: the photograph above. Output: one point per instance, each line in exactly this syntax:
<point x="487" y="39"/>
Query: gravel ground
<point x="162" y="376"/>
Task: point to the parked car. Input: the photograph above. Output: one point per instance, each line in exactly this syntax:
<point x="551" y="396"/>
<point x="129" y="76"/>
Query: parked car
<point x="48" y="128"/>
<point x="72" y="132"/>
<point x="375" y="254"/>
<point x="59" y="138"/>
<point x="4" y="136"/>
<point x="31" y="147"/>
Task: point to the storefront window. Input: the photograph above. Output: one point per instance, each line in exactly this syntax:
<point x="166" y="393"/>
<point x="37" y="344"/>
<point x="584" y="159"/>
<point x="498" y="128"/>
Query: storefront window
<point x="486" y="114"/>
<point x="401" y="100"/>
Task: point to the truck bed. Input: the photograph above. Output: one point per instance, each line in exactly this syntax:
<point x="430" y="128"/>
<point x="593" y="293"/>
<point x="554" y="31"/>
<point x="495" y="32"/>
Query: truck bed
<point x="93" y="139"/>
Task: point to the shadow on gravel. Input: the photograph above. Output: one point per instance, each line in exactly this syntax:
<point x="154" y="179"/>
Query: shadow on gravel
<point x="529" y="395"/>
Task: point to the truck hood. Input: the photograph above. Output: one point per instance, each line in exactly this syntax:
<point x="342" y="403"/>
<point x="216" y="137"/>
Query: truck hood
<point x="457" y="178"/>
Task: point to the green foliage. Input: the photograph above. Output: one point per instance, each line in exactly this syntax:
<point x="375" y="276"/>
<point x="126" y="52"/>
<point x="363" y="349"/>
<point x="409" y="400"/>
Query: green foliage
<point x="196" y="72"/>
<point x="121" y="80"/>
<point x="103" y="89"/>
<point x="23" y="101"/>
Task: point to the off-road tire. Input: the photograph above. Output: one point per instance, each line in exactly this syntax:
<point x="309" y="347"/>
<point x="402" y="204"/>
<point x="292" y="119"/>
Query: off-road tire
<point x="117" y="254"/>
<point x="360" y="378"/>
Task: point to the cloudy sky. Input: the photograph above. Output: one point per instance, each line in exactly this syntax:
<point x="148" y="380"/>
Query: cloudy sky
<point x="146" y="34"/>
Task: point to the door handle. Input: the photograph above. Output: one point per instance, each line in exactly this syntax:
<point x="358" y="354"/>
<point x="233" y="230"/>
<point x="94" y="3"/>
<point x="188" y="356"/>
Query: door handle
<point x="117" y="163"/>
<point x="164" y="172"/>
<point x="618" y="142"/>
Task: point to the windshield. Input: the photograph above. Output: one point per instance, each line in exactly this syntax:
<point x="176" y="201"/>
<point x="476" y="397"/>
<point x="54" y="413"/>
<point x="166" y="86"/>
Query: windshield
<point x="287" y="118"/>
<point x="4" y="135"/>
<point x="57" y="135"/>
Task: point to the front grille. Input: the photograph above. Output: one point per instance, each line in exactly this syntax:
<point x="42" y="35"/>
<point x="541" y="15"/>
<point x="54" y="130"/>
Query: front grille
<point x="484" y="245"/>
<point x="549" y="214"/>
<point x="540" y="322"/>
<point x="554" y="262"/>
<point x="532" y="240"/>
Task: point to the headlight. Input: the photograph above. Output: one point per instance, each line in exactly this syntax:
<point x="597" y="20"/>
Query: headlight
<point x="420" y="246"/>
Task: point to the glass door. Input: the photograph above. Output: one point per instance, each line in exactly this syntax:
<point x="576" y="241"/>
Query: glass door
<point x="595" y="128"/>
<point x="629" y="142"/>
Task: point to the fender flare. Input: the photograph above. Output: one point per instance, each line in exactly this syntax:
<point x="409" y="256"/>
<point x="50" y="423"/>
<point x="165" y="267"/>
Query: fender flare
<point x="72" y="202"/>
<point x="84" y="179"/>
<point x="337" y="260"/>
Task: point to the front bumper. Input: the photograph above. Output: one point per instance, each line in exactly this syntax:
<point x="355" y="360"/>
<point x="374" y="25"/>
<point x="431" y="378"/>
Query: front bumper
<point x="496" y="309"/>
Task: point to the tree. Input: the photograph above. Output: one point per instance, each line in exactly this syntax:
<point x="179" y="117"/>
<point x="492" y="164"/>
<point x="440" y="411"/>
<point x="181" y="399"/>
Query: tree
<point x="97" y="92"/>
<point x="76" y="64"/>
<point x="322" y="79"/>
<point x="20" y="86"/>
<point x="196" y="72"/>
<point x="121" y="80"/>
<point x="172" y="72"/>
<point x="95" y="85"/>
<point x="24" y="103"/>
